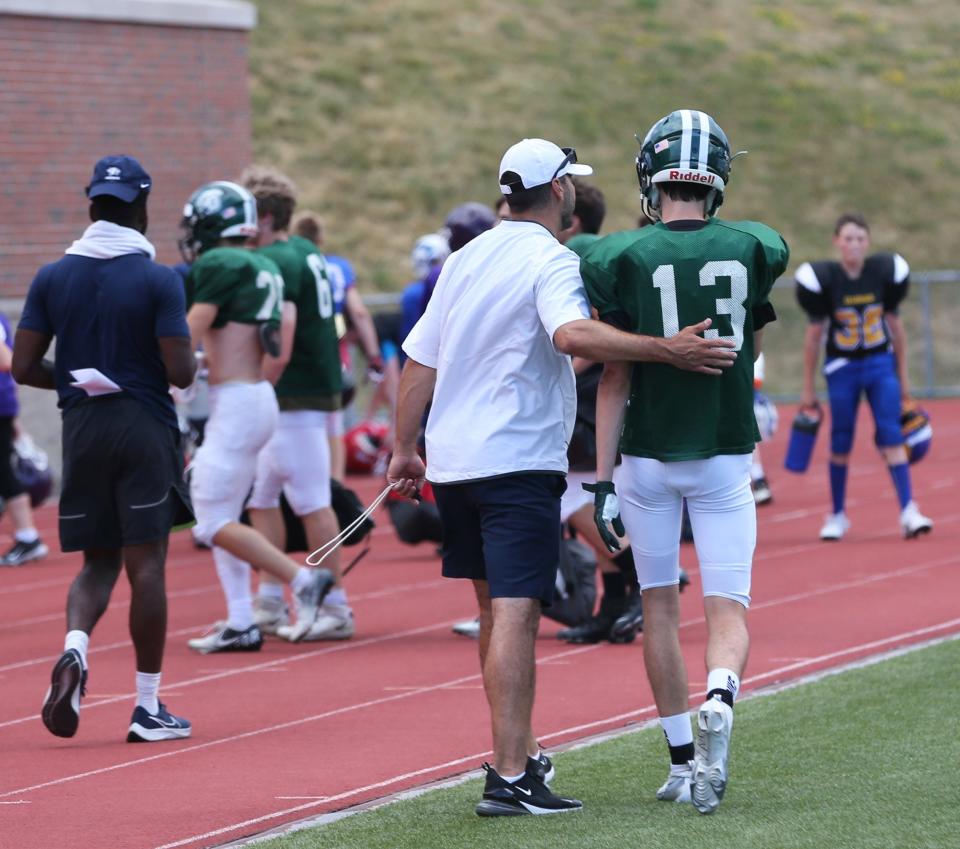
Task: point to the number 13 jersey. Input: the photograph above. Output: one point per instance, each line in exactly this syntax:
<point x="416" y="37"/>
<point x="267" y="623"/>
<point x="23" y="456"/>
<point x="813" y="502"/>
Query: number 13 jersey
<point x="662" y="278"/>
<point x="855" y="307"/>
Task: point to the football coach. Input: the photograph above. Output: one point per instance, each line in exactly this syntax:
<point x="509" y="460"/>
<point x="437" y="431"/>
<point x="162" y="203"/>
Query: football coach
<point x="492" y="352"/>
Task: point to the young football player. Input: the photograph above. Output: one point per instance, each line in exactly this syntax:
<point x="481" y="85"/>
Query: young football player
<point x="296" y="460"/>
<point x="854" y="302"/>
<point x="684" y="435"/>
<point x="235" y="297"/>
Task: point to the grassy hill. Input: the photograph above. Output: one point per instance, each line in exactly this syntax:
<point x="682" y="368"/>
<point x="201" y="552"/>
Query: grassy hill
<point x="389" y="113"/>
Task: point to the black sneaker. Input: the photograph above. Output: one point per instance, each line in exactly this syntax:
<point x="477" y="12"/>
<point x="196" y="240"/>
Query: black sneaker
<point x="61" y="707"/>
<point x="762" y="493"/>
<point x="598" y="627"/>
<point x="542" y="767"/>
<point x="529" y="795"/>
<point x="684" y="580"/>
<point x="153" y="727"/>
<point x="24" y="552"/>
<point x="626" y="627"/>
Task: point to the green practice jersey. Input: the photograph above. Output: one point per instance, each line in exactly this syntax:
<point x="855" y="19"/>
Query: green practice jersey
<point x="245" y="286"/>
<point x="313" y="380"/>
<point x="290" y="263"/>
<point x="581" y="243"/>
<point x="660" y="279"/>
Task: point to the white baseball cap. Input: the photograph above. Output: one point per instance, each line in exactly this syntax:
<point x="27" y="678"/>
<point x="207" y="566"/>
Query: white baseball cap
<point x="538" y="161"/>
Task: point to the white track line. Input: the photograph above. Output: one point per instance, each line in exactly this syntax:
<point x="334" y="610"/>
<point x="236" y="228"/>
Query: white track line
<point x="323" y="818"/>
<point x="293" y="723"/>
<point x="397" y="589"/>
<point x="356" y="644"/>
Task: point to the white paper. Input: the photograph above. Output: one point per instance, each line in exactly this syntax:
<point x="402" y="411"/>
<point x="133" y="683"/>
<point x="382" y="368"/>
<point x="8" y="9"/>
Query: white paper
<point x="94" y="382"/>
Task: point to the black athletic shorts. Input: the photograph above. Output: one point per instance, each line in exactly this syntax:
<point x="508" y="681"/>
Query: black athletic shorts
<point x="504" y="530"/>
<point x="10" y="486"/>
<point x="122" y="476"/>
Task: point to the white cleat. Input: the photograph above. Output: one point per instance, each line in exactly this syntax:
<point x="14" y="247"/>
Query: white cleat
<point x="913" y="522"/>
<point x="834" y="527"/>
<point x="333" y="622"/>
<point x="270" y="614"/>
<point x="308" y="602"/>
<point x="677" y="786"/>
<point x="714" y="724"/>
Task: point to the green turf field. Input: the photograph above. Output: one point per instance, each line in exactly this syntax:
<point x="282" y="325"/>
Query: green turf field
<point x="863" y="759"/>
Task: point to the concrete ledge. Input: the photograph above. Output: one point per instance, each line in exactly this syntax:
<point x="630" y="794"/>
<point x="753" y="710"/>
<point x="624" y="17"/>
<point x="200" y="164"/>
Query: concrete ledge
<point x="217" y="14"/>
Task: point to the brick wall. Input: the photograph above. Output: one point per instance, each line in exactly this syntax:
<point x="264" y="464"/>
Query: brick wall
<point x="71" y="91"/>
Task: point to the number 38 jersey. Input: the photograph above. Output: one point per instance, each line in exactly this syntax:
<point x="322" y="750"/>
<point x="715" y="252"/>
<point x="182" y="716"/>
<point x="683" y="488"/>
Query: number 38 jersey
<point x="855" y="307"/>
<point x="245" y="287"/>
<point x="662" y="278"/>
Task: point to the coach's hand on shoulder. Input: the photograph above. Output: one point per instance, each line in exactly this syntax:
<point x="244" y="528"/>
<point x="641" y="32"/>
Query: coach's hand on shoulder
<point x="606" y="508"/>
<point x="689" y="351"/>
<point x="406" y="472"/>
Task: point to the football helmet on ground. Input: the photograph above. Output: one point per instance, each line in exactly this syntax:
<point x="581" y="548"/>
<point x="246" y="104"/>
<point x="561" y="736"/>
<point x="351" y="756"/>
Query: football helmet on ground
<point x="917" y="432"/>
<point x="215" y="211"/>
<point x="686" y="146"/>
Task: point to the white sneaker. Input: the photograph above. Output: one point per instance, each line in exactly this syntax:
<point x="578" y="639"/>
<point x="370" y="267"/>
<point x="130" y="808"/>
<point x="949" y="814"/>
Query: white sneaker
<point x="677" y="786"/>
<point x="222" y="638"/>
<point x="834" y="527"/>
<point x="913" y="522"/>
<point x="714" y="724"/>
<point x="333" y="622"/>
<point x="308" y="602"/>
<point x="468" y="628"/>
<point x="270" y="614"/>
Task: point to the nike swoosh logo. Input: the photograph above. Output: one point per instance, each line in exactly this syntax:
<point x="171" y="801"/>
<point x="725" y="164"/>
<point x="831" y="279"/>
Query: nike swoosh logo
<point x="525" y="792"/>
<point x="171" y="724"/>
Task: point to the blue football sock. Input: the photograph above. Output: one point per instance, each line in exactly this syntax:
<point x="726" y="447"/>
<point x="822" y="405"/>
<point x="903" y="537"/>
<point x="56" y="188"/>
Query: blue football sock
<point x="838" y="486"/>
<point x="901" y="480"/>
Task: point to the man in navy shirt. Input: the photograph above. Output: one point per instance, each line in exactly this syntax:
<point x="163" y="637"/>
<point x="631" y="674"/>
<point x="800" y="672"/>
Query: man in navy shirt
<point x="122" y="338"/>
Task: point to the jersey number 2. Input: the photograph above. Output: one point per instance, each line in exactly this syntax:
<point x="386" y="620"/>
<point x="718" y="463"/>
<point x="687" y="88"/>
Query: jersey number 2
<point x="665" y="280"/>
<point x="273" y="283"/>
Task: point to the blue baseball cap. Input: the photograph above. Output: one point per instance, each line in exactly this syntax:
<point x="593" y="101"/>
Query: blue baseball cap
<point x="120" y="176"/>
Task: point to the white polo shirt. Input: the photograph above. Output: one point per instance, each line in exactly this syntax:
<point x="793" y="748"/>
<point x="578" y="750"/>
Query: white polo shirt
<point x="505" y="398"/>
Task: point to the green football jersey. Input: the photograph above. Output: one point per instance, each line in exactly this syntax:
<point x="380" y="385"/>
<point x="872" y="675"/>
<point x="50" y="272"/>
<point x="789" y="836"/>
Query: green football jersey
<point x="245" y="286"/>
<point x="313" y="380"/>
<point x="290" y="263"/>
<point x="656" y="281"/>
<point x="581" y="243"/>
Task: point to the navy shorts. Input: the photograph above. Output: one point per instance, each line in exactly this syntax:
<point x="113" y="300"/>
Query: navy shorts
<point x="122" y="476"/>
<point x="505" y="531"/>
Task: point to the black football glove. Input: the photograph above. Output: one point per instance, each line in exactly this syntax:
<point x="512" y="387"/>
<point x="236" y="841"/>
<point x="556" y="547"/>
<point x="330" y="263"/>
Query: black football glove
<point x="606" y="508"/>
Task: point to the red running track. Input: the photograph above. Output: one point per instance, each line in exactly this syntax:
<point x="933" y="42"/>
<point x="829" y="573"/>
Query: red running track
<point x="298" y="730"/>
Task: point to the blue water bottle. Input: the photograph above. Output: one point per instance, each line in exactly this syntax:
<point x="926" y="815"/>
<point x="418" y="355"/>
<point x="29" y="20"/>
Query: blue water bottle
<point x="803" y="436"/>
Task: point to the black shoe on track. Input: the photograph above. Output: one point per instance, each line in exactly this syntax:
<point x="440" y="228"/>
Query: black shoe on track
<point x="61" y="707"/>
<point x="626" y="627"/>
<point x="529" y="795"/>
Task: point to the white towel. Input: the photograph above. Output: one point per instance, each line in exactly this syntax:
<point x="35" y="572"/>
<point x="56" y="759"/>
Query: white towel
<point x="106" y="240"/>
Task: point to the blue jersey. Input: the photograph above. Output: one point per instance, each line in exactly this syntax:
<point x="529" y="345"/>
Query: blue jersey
<point x="342" y="277"/>
<point x="107" y="314"/>
<point x="9" y="405"/>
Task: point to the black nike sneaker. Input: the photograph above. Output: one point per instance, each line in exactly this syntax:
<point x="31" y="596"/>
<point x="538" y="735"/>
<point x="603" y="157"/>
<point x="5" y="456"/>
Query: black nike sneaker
<point x="529" y="795"/>
<point x="542" y="767"/>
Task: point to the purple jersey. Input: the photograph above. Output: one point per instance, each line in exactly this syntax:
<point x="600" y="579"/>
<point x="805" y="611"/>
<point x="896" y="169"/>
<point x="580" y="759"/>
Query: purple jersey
<point x="9" y="406"/>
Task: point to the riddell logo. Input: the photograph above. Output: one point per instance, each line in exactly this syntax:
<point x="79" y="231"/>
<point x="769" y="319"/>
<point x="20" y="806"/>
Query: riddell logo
<point x="690" y="177"/>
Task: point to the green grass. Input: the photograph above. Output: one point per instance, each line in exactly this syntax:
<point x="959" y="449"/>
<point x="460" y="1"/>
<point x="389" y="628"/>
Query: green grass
<point x="863" y="760"/>
<point x="388" y="114"/>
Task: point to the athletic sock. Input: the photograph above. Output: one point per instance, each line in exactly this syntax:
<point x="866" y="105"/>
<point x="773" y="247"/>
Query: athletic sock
<point x="838" y="486"/>
<point x="337" y="596"/>
<point x="268" y="589"/>
<point x="26" y="535"/>
<point x="679" y="734"/>
<point x="148" y="686"/>
<point x="901" y="480"/>
<point x="614" y="585"/>
<point x="756" y="467"/>
<point x="303" y="577"/>
<point x="78" y="640"/>
<point x="234" y="576"/>
<point x="513" y="779"/>
<point x="724" y="683"/>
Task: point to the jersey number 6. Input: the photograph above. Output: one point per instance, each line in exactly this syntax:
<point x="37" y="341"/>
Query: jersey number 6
<point x="665" y="280"/>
